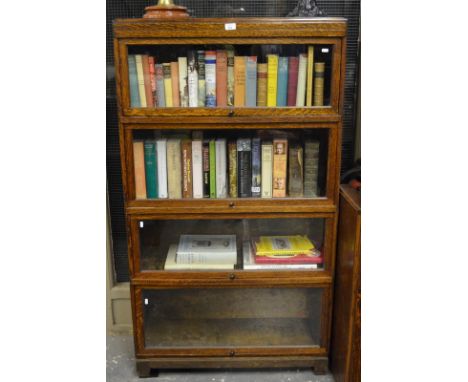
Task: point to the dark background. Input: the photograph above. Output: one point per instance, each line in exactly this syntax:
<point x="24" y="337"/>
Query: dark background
<point x="349" y="9"/>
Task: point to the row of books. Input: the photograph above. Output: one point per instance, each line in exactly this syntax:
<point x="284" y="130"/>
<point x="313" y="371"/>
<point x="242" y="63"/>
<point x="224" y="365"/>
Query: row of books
<point x="219" y="79"/>
<point x="218" y="168"/>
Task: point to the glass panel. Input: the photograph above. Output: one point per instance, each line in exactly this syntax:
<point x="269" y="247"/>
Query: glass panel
<point x="160" y="249"/>
<point x="295" y="75"/>
<point x="276" y="317"/>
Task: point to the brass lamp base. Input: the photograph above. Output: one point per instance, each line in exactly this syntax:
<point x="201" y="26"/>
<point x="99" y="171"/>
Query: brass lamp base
<point x="165" y="12"/>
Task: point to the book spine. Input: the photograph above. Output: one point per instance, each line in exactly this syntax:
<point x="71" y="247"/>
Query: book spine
<point x="301" y="81"/>
<point x="280" y="155"/>
<point x="168" y="84"/>
<point x="161" y="150"/>
<point x="282" y="96"/>
<point x="212" y="169"/>
<point x="139" y="168"/>
<point x="272" y="80"/>
<point x="183" y="81"/>
<point x="197" y="164"/>
<point x="267" y="170"/>
<point x="210" y="83"/>
<point x="151" y="169"/>
<point x="152" y="73"/>
<point x="311" y="166"/>
<point x="310" y="74"/>
<point x="187" y="187"/>
<point x="160" y="86"/>
<point x="292" y="80"/>
<point x="201" y="78"/>
<point x="244" y="170"/>
<point x="251" y="82"/>
<point x="296" y="171"/>
<point x="141" y="79"/>
<point x="239" y="81"/>
<point x="319" y="83"/>
<point x="174" y="169"/>
<point x="232" y="149"/>
<point x="262" y="74"/>
<point x="175" y="84"/>
<point x="256" y="168"/>
<point x="230" y="77"/>
<point x="206" y="169"/>
<point x="205" y="258"/>
<point x="192" y="78"/>
<point x="133" y="82"/>
<point x="221" y="169"/>
<point x="221" y="78"/>
<point x="147" y="80"/>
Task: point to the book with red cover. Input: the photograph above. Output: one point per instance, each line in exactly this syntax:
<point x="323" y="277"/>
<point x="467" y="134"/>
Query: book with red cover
<point x="221" y="78"/>
<point x="292" y="80"/>
<point x="187" y="185"/>
<point x="146" y="76"/>
<point x="152" y="74"/>
<point x="298" y="259"/>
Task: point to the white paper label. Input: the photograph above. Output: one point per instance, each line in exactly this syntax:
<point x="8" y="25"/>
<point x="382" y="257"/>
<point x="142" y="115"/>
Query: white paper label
<point x="142" y="224"/>
<point x="325" y="50"/>
<point x="230" y="26"/>
<point x="146" y="301"/>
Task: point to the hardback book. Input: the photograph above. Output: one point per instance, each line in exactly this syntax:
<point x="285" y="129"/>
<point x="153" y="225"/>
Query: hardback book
<point x="172" y="265"/>
<point x="251" y="82"/>
<point x="187" y="177"/>
<point x="133" y="81"/>
<point x="244" y="167"/>
<point x="256" y="168"/>
<point x="239" y="80"/>
<point x="218" y="249"/>
<point x="296" y="170"/>
<point x="280" y="155"/>
<point x="311" y="167"/>
<point x="272" y="80"/>
<point x="262" y="72"/>
<point x="221" y="78"/>
<point x="230" y="77"/>
<point x="174" y="169"/>
<point x="192" y="78"/>
<point x="310" y="74"/>
<point x="221" y="168"/>
<point x="161" y="150"/>
<point x="197" y="168"/>
<point x="161" y="98"/>
<point x="212" y="169"/>
<point x="267" y="170"/>
<point x="282" y="95"/>
<point x="168" y="84"/>
<point x="232" y="154"/>
<point x="201" y="77"/>
<point x="139" y="168"/>
<point x="141" y="79"/>
<point x="152" y="74"/>
<point x="301" y="81"/>
<point x="147" y="80"/>
<point x="175" y="84"/>
<point x="319" y="83"/>
<point x="293" y="259"/>
<point x="293" y="69"/>
<point x="283" y="245"/>
<point x="210" y="74"/>
<point x="206" y="168"/>
<point x="151" y="169"/>
<point x="183" y="82"/>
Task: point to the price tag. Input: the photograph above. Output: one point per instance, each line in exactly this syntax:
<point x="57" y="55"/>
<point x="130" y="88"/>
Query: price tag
<point x="142" y="224"/>
<point x="146" y="301"/>
<point x="230" y="26"/>
<point x="325" y="50"/>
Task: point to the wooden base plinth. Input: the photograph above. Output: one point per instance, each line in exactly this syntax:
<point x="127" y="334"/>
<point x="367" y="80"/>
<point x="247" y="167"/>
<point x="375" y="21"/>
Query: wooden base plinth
<point x="166" y="12"/>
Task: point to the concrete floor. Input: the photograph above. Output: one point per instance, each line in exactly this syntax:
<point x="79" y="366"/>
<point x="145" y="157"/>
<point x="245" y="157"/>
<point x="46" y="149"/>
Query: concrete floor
<point x="121" y="368"/>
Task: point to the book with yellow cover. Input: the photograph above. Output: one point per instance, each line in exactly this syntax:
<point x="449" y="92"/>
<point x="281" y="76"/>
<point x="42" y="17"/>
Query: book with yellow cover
<point x="272" y="80"/>
<point x="310" y="75"/>
<point x="283" y="245"/>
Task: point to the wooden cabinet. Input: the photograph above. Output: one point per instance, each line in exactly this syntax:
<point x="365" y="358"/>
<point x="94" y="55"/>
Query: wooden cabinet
<point x="237" y="317"/>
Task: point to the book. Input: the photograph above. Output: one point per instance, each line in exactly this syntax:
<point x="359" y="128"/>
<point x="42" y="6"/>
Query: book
<point x="282" y="94"/>
<point x="319" y="83"/>
<point x="239" y="81"/>
<point x="311" y="165"/>
<point x="232" y="154"/>
<point x="161" y="98"/>
<point x="174" y="169"/>
<point x="301" y="81"/>
<point x="221" y="78"/>
<point x="192" y="78"/>
<point x="133" y="82"/>
<point x="147" y="80"/>
<point x="183" y="82"/>
<point x="219" y="249"/>
<point x="272" y="79"/>
<point x="141" y="79"/>
<point x="152" y="75"/>
<point x="151" y="169"/>
<point x="244" y="169"/>
<point x="267" y="170"/>
<point x="206" y="168"/>
<point x="161" y="151"/>
<point x="251" y="82"/>
<point x="262" y="72"/>
<point x="201" y="77"/>
<point x="175" y="84"/>
<point x="212" y="169"/>
<point x="221" y="168"/>
<point x="295" y="259"/>
<point x="172" y="265"/>
<point x="296" y="170"/>
<point x="139" y="169"/>
<point x="210" y="82"/>
<point x="167" y="84"/>
<point x="283" y="245"/>
<point x="310" y="74"/>
<point x="280" y="155"/>
<point x="197" y="168"/>
<point x="187" y="187"/>
<point x="230" y="77"/>
<point x="256" y="168"/>
<point x="293" y="68"/>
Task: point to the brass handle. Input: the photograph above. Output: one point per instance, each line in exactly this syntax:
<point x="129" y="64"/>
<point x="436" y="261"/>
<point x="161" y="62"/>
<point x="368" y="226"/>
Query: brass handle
<point x="232" y="204"/>
<point x="232" y="353"/>
<point x="232" y="276"/>
<point x="231" y="113"/>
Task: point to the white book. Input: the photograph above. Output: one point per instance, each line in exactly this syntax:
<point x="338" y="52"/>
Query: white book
<point x="221" y="168"/>
<point x="192" y="79"/>
<point x="161" y="146"/>
<point x="267" y="170"/>
<point x="197" y="168"/>
<point x="301" y="81"/>
<point x="203" y="249"/>
<point x="141" y="79"/>
<point x="183" y="84"/>
<point x="172" y="265"/>
<point x="210" y="78"/>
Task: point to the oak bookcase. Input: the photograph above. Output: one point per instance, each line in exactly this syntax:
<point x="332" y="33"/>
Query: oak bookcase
<point x="238" y="318"/>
